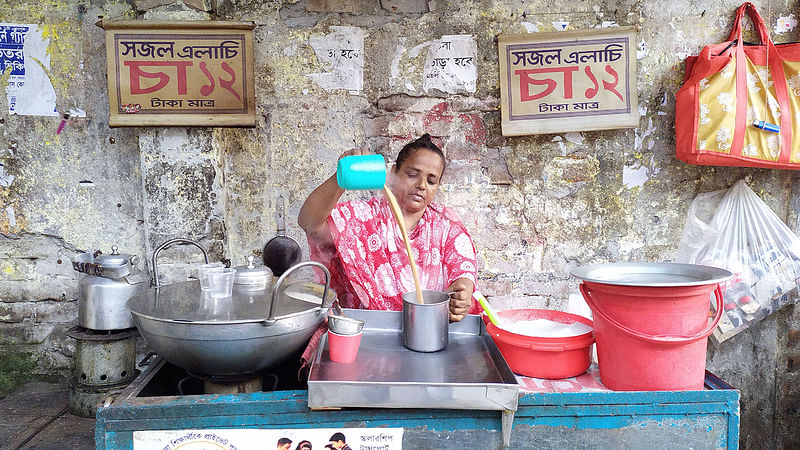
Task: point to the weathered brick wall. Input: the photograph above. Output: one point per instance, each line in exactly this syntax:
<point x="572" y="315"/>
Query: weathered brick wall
<point x="537" y="206"/>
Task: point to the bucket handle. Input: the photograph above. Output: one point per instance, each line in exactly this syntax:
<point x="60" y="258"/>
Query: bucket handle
<point x="659" y="339"/>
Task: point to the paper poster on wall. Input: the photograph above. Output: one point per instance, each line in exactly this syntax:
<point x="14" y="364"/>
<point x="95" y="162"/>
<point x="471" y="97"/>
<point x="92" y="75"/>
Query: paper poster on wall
<point x="23" y="55"/>
<point x="568" y="81"/>
<point x="180" y="73"/>
<point x="341" y="54"/>
<point x="294" y="438"/>
<point x="451" y="65"/>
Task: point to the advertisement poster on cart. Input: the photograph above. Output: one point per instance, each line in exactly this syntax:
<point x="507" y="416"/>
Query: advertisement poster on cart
<point x="280" y="439"/>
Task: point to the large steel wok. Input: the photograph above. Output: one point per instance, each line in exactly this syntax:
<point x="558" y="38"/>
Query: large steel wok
<point x="235" y="336"/>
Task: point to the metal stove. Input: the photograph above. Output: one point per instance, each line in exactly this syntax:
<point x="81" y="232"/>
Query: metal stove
<point x="104" y="366"/>
<point x="105" y="355"/>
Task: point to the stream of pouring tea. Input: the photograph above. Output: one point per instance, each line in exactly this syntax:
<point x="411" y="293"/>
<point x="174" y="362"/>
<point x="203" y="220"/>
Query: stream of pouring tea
<point x="398" y="216"/>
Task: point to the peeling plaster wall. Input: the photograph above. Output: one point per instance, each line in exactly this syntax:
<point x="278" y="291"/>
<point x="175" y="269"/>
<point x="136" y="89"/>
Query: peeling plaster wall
<point x="537" y="206"/>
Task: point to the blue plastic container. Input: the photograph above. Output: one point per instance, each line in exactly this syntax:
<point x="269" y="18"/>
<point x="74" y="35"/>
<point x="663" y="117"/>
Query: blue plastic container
<point x="361" y="172"/>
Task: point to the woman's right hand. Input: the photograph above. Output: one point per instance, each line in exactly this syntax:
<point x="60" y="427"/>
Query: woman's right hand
<point x="355" y="151"/>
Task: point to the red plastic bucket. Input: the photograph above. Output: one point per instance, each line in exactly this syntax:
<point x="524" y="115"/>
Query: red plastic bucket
<point x="543" y="357"/>
<point x="651" y="338"/>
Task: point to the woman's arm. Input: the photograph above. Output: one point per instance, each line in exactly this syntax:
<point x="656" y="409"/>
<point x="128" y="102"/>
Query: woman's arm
<point x="313" y="217"/>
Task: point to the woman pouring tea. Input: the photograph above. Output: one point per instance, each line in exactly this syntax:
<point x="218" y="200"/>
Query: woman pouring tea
<point x="362" y="245"/>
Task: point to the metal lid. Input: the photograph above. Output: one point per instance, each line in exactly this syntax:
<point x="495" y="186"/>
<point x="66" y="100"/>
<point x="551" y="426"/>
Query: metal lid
<point x="646" y="274"/>
<point x="252" y="274"/>
<point x="115" y="265"/>
<point x="115" y="259"/>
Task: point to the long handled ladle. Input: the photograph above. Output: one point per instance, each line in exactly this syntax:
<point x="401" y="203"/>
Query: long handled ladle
<point x="490" y="312"/>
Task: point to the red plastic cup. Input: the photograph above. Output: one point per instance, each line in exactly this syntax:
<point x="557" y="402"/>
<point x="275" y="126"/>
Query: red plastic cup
<point x="343" y="348"/>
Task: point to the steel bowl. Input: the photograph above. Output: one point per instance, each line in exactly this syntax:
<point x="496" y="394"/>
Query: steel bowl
<point x="344" y="325"/>
<point x="339" y="323"/>
<point x="239" y="335"/>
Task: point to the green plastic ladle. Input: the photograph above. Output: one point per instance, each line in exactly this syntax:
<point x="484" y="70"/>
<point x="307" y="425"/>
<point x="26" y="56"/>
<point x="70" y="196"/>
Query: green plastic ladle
<point x="490" y="312"/>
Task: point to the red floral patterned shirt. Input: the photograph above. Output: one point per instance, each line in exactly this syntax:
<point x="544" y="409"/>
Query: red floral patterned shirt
<point x="369" y="265"/>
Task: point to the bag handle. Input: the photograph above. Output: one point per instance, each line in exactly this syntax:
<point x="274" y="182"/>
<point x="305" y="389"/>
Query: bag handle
<point x="755" y="17"/>
<point x="657" y="339"/>
<point x="778" y="77"/>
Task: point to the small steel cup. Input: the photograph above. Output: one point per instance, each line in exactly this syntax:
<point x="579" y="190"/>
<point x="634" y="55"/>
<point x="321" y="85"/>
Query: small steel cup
<point x="426" y="324"/>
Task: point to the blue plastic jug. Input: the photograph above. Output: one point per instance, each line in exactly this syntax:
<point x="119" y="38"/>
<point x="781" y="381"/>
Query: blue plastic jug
<point x="361" y="172"/>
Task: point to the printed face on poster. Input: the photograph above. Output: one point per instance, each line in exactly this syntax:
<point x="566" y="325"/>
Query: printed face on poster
<point x="280" y="439"/>
<point x="180" y="73"/>
<point x="568" y="81"/>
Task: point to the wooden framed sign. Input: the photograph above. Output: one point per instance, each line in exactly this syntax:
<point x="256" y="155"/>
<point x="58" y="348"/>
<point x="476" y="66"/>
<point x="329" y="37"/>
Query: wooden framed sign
<point x="180" y="73"/>
<point x="568" y="81"/>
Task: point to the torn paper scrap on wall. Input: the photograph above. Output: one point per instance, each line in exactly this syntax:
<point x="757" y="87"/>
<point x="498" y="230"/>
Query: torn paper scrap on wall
<point x="785" y="24"/>
<point x="12" y="217"/>
<point x="24" y="50"/>
<point x="531" y="27"/>
<point x="639" y="173"/>
<point x="634" y="176"/>
<point x="451" y="64"/>
<point x="341" y="54"/>
<point x="5" y="178"/>
<point x="399" y="51"/>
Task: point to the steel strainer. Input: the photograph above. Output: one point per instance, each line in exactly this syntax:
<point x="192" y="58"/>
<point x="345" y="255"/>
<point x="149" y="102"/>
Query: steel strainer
<point x="341" y="324"/>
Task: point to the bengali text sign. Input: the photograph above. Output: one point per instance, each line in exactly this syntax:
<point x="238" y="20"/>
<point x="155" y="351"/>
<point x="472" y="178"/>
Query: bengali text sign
<point x="180" y="73"/>
<point x="560" y="82"/>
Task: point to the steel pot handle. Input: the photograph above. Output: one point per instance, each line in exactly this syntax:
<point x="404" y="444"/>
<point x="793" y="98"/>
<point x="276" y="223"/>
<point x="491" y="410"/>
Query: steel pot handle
<point x="167" y="244"/>
<point x="292" y="269"/>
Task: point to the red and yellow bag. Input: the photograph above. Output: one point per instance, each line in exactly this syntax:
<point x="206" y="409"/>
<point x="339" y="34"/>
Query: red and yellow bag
<point x="730" y="85"/>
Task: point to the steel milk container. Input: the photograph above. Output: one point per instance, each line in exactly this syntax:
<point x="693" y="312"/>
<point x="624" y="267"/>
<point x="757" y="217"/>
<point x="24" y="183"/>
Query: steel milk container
<point x="109" y="282"/>
<point x="426" y="325"/>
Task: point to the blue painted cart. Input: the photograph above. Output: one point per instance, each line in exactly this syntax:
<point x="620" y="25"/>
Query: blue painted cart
<point x="704" y="419"/>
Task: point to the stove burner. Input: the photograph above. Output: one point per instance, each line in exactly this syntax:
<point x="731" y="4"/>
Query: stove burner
<point x="166" y="379"/>
<point x="224" y="379"/>
<point x="79" y="332"/>
<point x="217" y="383"/>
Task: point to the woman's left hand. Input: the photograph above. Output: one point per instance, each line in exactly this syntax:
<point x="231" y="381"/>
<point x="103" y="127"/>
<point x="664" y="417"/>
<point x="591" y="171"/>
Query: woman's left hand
<point x="460" y="299"/>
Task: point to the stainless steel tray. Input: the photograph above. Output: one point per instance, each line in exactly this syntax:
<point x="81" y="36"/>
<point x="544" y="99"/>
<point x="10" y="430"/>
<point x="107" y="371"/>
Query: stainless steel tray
<point x="469" y="374"/>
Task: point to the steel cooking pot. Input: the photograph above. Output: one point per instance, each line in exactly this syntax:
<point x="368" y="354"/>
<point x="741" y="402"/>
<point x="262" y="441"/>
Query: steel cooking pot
<point x="252" y="277"/>
<point x="235" y="336"/>
<point x="109" y="282"/>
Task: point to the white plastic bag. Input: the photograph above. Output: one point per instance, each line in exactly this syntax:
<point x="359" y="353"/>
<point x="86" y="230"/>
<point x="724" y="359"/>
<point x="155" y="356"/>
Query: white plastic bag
<point x="734" y="229"/>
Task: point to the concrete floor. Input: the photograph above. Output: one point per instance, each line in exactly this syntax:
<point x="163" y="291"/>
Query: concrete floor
<point x="37" y="417"/>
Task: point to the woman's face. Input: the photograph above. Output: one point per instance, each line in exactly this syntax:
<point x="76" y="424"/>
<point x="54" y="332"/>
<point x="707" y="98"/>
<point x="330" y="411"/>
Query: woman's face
<point x="417" y="180"/>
